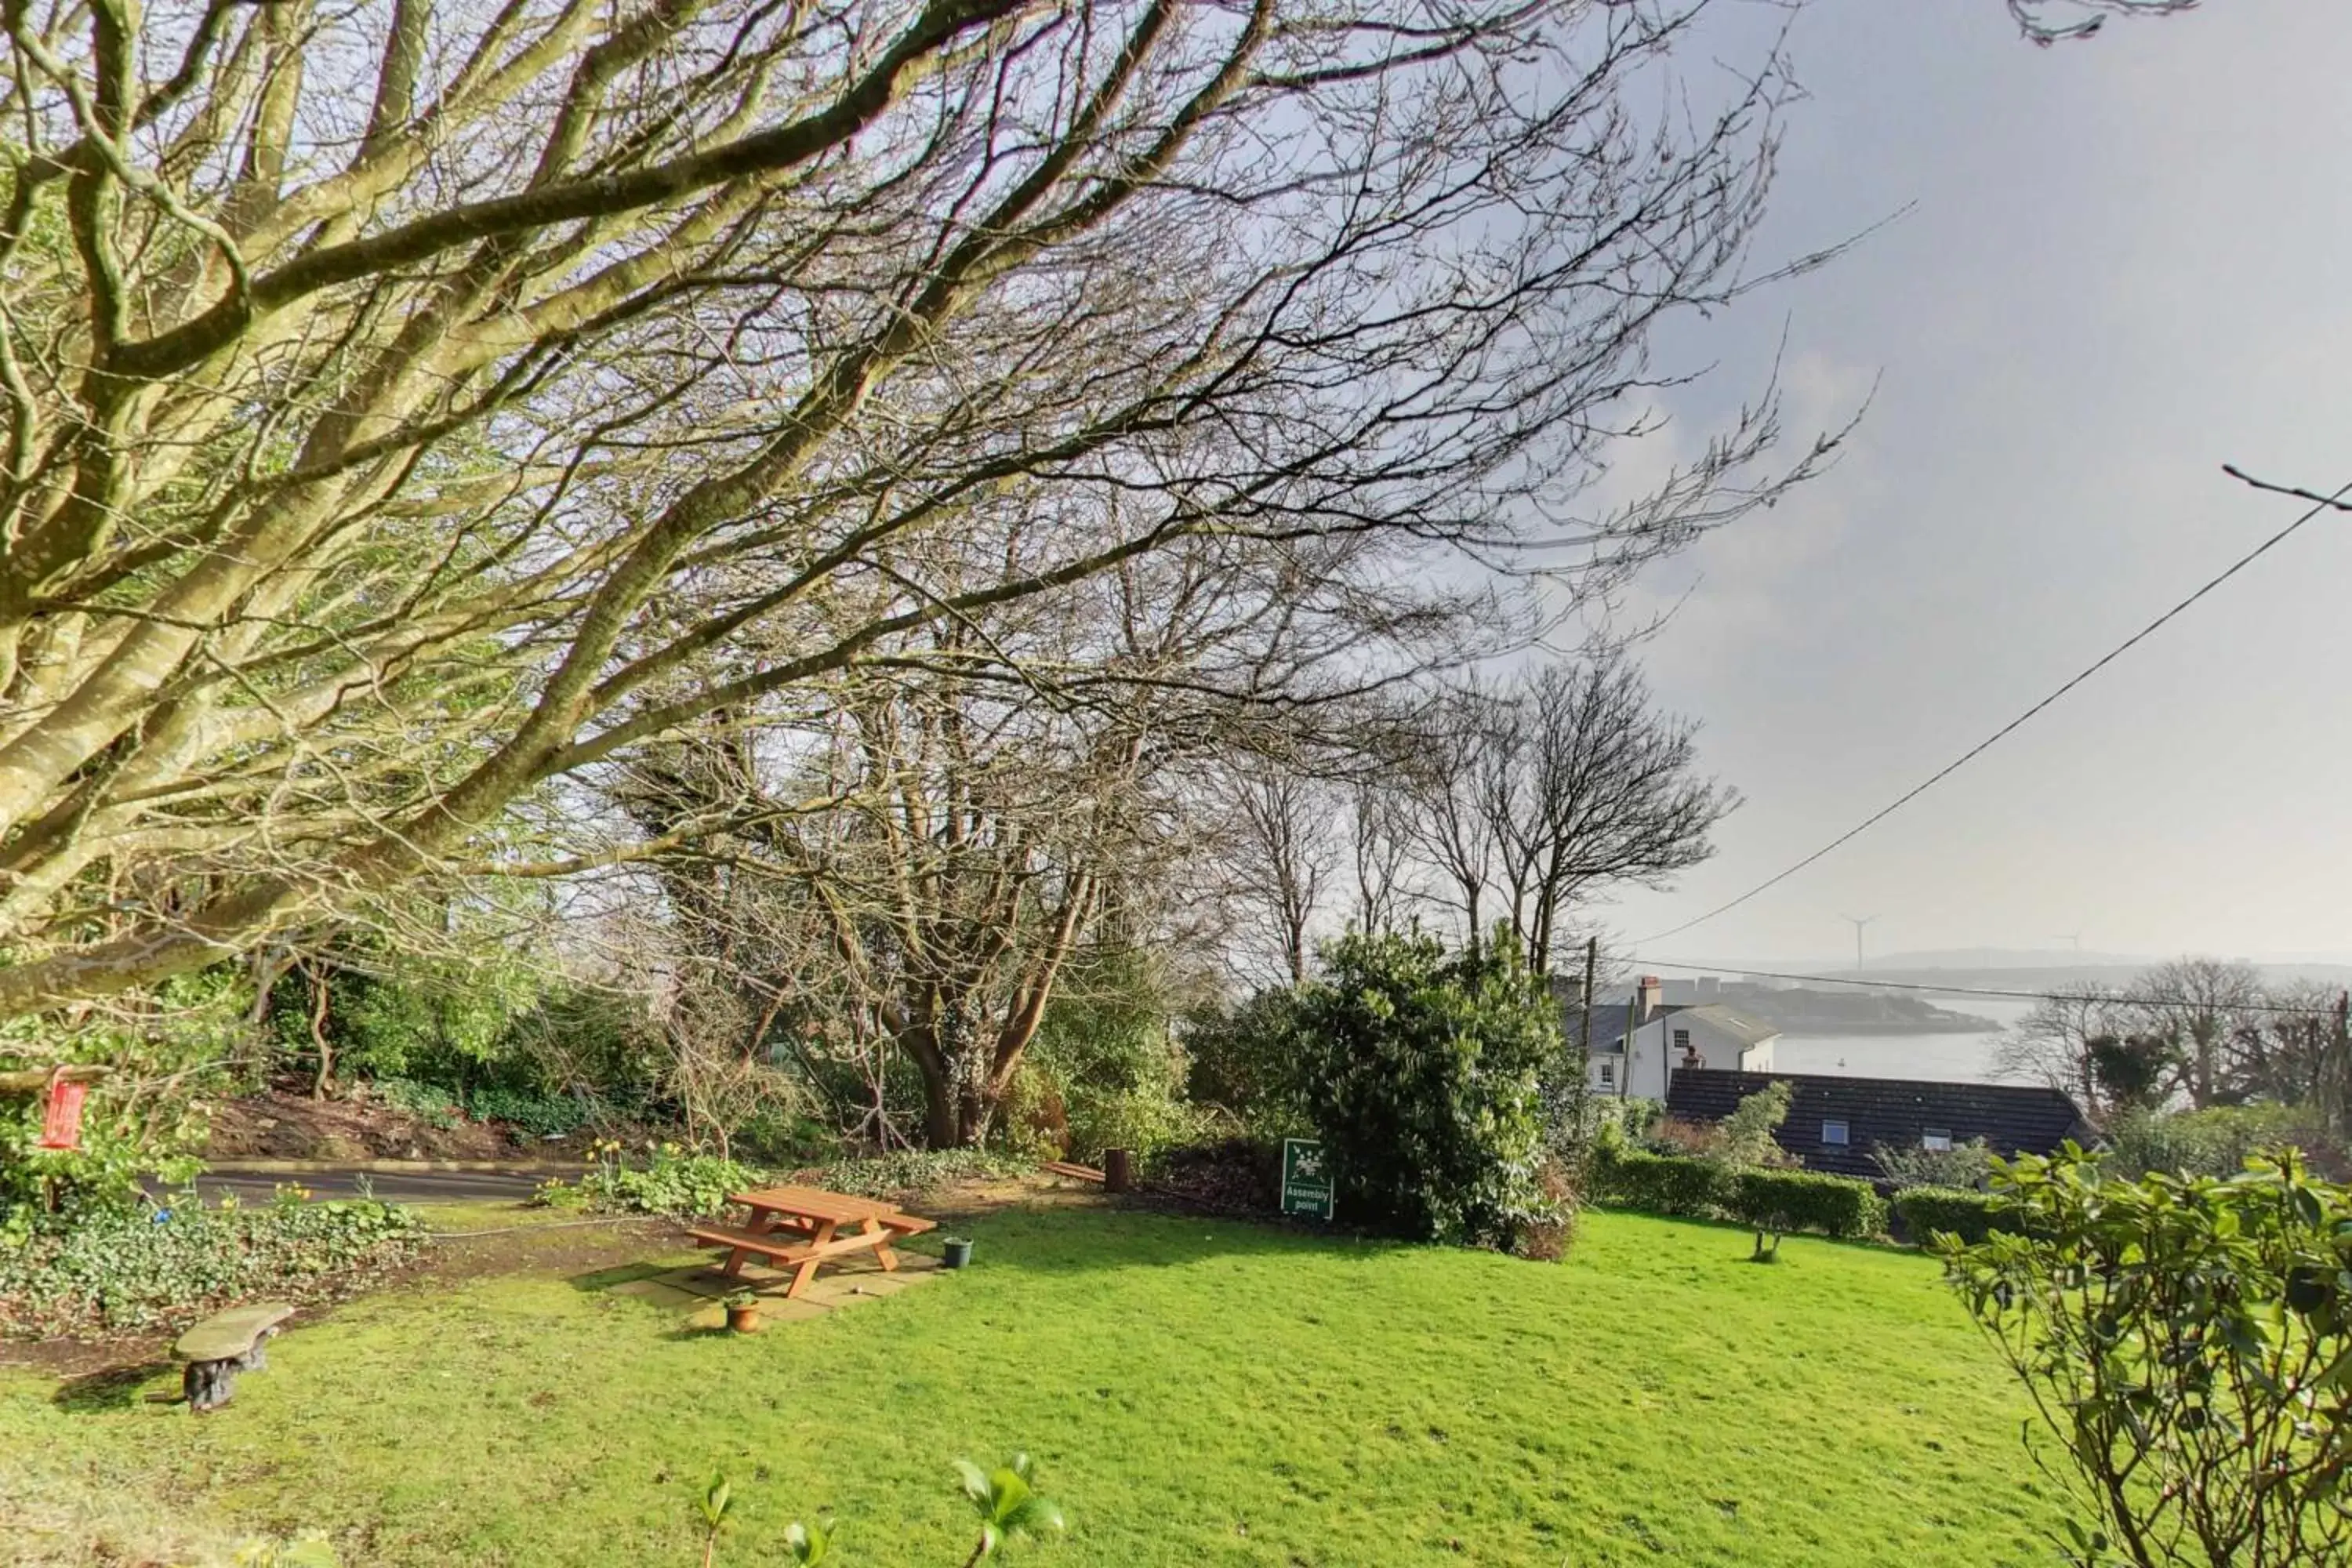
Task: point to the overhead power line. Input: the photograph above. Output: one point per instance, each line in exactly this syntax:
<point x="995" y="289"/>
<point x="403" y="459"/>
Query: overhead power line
<point x="2093" y="994"/>
<point x="2319" y="503"/>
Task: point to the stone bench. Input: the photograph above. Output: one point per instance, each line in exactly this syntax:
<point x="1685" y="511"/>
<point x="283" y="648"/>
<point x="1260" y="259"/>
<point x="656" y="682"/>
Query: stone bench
<point x="223" y="1345"/>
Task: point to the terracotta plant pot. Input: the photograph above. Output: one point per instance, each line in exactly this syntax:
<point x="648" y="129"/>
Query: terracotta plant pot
<point x="743" y="1319"/>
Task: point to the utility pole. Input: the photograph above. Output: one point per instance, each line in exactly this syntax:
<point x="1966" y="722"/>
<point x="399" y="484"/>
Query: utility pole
<point x="1578" y="1097"/>
<point x="2335" y="1076"/>
<point x="1857" y="925"/>
<point x="1633" y="1026"/>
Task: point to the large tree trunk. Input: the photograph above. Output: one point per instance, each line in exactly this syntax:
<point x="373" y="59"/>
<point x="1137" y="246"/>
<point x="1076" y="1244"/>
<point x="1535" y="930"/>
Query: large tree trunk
<point x="319" y="994"/>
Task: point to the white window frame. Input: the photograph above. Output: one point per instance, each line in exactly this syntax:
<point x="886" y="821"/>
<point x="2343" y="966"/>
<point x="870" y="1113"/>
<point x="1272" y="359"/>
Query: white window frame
<point x="1608" y="1075"/>
<point x="1845" y="1138"/>
<point x="1936" y="1140"/>
<point x="1682" y="1039"/>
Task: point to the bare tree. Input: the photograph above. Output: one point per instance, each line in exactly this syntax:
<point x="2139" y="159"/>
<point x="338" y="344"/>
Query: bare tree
<point x="2288" y="1050"/>
<point x="1380" y="838"/>
<point x="1287" y="852"/>
<point x="1449" y="784"/>
<point x="2200" y="1006"/>
<point x="2052" y="1043"/>
<point x="932" y="845"/>
<point x="1539" y="796"/>
<point x="403" y="400"/>
<point x="1602" y="790"/>
<point x="2048" y="22"/>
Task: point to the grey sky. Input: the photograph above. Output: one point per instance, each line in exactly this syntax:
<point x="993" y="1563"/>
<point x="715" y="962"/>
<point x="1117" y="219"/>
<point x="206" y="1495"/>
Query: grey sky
<point x="2127" y="265"/>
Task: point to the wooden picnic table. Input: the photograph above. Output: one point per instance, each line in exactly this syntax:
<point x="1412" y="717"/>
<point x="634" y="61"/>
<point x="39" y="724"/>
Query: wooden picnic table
<point x="800" y="1228"/>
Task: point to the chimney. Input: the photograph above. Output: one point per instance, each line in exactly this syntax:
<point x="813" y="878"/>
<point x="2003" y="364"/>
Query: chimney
<point x="1647" y="1007"/>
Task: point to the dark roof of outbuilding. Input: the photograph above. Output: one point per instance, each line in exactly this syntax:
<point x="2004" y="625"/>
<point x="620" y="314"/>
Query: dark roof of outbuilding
<point x="2011" y="1118"/>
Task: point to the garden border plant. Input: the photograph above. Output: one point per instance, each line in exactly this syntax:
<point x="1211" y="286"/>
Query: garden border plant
<point x="129" y="1271"/>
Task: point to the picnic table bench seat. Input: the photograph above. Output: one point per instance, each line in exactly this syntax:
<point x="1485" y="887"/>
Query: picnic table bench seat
<point x="800" y="1228"/>
<point x="785" y="1247"/>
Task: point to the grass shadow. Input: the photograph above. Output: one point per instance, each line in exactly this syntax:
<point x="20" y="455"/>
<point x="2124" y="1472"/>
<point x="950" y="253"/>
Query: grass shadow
<point x="620" y="1274"/>
<point x="114" y="1388"/>
<point x="689" y="1333"/>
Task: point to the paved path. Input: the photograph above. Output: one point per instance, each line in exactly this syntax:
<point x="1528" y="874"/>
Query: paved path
<point x="418" y="1186"/>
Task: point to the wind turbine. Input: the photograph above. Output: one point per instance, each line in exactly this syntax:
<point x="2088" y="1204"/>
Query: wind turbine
<point x="1857" y="925"/>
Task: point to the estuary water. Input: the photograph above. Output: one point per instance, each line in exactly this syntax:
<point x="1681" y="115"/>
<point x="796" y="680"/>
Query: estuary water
<point x="1950" y="1058"/>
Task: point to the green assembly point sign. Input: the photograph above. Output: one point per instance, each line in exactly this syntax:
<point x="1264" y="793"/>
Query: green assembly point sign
<point x="1306" y="1183"/>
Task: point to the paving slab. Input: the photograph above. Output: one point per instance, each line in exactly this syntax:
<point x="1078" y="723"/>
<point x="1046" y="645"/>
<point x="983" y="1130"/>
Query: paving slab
<point x="697" y="1292"/>
<point x="656" y="1292"/>
<point x="707" y="1281"/>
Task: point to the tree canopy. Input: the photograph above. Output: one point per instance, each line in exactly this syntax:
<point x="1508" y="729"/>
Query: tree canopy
<point x="411" y="407"/>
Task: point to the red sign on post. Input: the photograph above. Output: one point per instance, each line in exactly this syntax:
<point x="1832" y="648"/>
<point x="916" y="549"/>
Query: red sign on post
<point x="62" y="1127"/>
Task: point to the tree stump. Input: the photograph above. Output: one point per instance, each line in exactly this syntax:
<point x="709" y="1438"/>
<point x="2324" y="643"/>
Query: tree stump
<point x="223" y="1345"/>
<point x="1118" y="1170"/>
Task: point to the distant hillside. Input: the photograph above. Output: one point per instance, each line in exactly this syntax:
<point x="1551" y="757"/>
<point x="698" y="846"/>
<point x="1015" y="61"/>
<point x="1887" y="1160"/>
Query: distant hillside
<point x="2025" y="970"/>
<point x="1984" y="958"/>
<point x="1799" y="1010"/>
<point x="2115" y="977"/>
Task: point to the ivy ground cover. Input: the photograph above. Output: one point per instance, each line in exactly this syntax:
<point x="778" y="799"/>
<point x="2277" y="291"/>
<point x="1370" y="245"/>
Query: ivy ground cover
<point x="1194" y="1392"/>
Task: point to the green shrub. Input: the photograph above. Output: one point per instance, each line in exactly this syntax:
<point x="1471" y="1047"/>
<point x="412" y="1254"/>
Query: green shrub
<point x="773" y="1135"/>
<point x="2185" y="1342"/>
<point x="1662" y="1183"/>
<point x="1104" y="1056"/>
<point x="1427" y="1087"/>
<point x="125" y="1272"/>
<point x="907" y="1170"/>
<point x="47" y="1186"/>
<point x="1252" y="1061"/>
<point x="539" y="1115"/>
<point x="1748" y="1132"/>
<point x="1967" y="1165"/>
<point x="428" y="1103"/>
<point x="669" y="1183"/>
<point x="1782" y="1202"/>
<point x="1971" y="1215"/>
<point x="1621" y="1123"/>
<point x="2212" y="1143"/>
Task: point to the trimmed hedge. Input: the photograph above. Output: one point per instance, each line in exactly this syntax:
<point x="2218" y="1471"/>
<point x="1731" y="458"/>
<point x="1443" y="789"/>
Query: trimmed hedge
<point x="1771" y="1200"/>
<point x="1784" y="1201"/>
<point x="1957" y="1211"/>
<point x="1662" y="1183"/>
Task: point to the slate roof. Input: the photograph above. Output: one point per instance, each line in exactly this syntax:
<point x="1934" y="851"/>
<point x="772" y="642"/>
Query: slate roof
<point x="1609" y="1023"/>
<point x="1741" y="1026"/>
<point x="2011" y="1118"/>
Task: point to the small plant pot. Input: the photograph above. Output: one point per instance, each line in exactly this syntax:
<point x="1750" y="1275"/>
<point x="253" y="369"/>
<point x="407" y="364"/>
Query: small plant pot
<point x="743" y="1319"/>
<point x="956" y="1253"/>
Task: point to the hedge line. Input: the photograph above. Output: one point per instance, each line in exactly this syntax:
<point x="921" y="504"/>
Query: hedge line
<point x="1662" y="1183"/>
<point x="1777" y="1200"/>
<point x="1767" y="1199"/>
<point x="1784" y="1201"/>
<point x="1933" y="1211"/>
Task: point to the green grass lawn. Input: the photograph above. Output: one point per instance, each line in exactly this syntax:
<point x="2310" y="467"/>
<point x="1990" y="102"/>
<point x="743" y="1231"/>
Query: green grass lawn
<point x="1194" y="1392"/>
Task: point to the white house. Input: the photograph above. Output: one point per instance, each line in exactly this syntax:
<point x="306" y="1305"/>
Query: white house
<point x="1637" y="1045"/>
